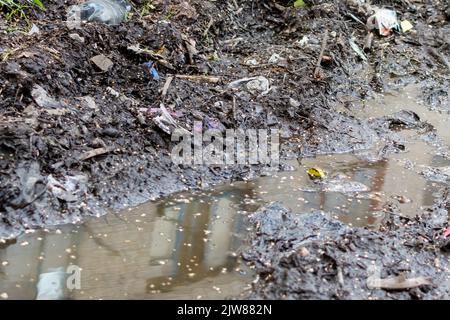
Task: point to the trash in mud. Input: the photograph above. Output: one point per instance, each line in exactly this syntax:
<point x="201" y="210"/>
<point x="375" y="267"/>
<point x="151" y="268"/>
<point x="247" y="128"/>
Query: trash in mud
<point x="384" y="20"/>
<point x="111" y="12"/>
<point x="156" y="56"/>
<point x="71" y="190"/>
<point x="34" y="30"/>
<point x="368" y="42"/>
<point x="150" y="66"/>
<point x="52" y="284"/>
<point x="447" y="232"/>
<point x="166" y="122"/>
<point x="406" y="26"/>
<point x="397" y="283"/>
<point x="255" y="85"/>
<point x="274" y="58"/>
<point x="81" y="137"/>
<point x="77" y="37"/>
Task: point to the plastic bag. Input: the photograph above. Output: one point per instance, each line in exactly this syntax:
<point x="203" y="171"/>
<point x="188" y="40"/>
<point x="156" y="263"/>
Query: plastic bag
<point x="384" y="20"/>
<point x="111" y="12"/>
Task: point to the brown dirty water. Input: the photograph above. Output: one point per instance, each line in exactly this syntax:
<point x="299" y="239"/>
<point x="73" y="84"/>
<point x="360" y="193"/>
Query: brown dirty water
<point x="407" y="98"/>
<point x="187" y="246"/>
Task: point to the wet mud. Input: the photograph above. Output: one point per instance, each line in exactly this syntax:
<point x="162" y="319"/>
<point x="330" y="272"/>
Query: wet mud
<point x="313" y="256"/>
<point x="76" y="140"/>
<point x="81" y="135"/>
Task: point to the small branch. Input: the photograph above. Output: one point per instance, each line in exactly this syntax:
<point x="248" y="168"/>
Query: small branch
<point x="322" y="50"/>
<point x="368" y="42"/>
<point x="93" y="153"/>
<point x="210" y="79"/>
<point x="166" y="86"/>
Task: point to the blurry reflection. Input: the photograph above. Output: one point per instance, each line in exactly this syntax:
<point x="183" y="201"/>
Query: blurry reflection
<point x="160" y="247"/>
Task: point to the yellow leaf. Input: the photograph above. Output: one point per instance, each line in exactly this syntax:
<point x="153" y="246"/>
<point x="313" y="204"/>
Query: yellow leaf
<point x="316" y="173"/>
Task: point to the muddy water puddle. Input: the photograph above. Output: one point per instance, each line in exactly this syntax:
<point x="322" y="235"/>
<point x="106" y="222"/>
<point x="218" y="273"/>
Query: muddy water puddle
<point x="187" y="246"/>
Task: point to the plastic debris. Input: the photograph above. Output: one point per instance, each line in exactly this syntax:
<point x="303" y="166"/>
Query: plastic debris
<point x="303" y="42"/>
<point x="51" y="285"/>
<point x="155" y="56"/>
<point x="34" y="30"/>
<point x="111" y="12"/>
<point x="152" y="69"/>
<point x="254" y="84"/>
<point x="275" y="58"/>
<point x="215" y="124"/>
<point x="384" y="20"/>
<point x="368" y="42"/>
<point x="406" y="26"/>
<point x="316" y="173"/>
<point x="357" y="49"/>
<point x="166" y="122"/>
<point x="397" y="283"/>
<point x="447" y="232"/>
<point x="251" y="62"/>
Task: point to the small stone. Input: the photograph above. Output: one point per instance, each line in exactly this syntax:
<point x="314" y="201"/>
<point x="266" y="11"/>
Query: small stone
<point x="294" y="103"/>
<point x="76" y="37"/>
<point x="42" y="98"/>
<point x="303" y="252"/>
<point x="89" y="102"/>
<point x="102" y="62"/>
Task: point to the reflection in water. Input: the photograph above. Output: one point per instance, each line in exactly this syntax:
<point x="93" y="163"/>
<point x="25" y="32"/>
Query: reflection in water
<point x="185" y="247"/>
<point x="157" y="249"/>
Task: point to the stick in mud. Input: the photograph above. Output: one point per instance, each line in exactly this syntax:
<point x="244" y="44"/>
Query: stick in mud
<point x="166" y="86"/>
<point x="368" y="42"/>
<point x="210" y="79"/>
<point x="322" y="50"/>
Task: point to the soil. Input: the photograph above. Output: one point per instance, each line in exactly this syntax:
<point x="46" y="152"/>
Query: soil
<point x="312" y="256"/>
<point x="77" y="140"/>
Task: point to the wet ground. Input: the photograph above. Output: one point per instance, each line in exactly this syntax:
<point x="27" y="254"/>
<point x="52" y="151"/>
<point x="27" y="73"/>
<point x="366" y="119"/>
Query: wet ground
<point x="181" y="248"/>
<point x="67" y="124"/>
<point x="77" y="142"/>
<point x="188" y="246"/>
